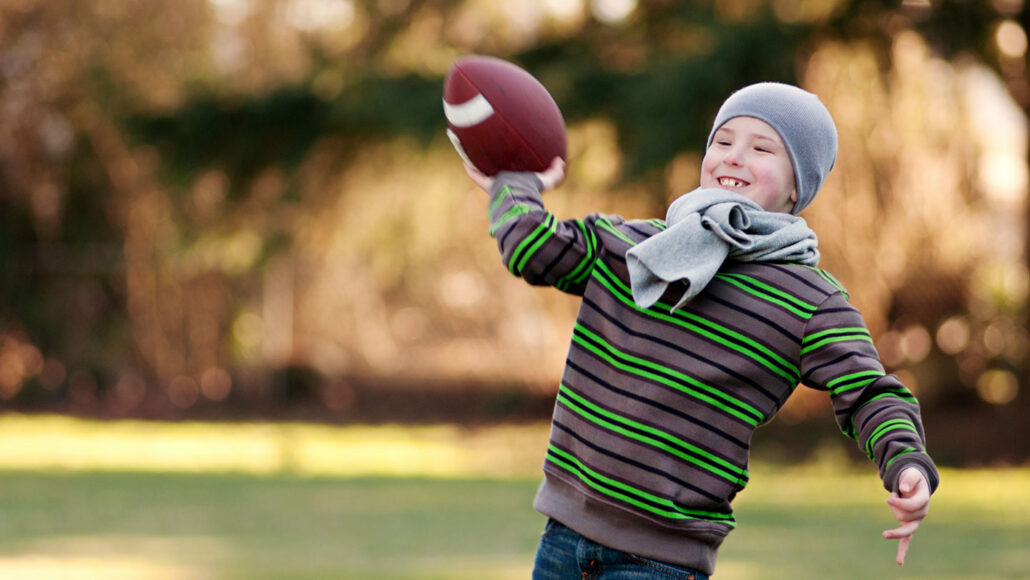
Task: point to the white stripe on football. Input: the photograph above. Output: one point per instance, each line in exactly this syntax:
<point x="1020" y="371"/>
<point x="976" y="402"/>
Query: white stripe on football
<point x="472" y="112"/>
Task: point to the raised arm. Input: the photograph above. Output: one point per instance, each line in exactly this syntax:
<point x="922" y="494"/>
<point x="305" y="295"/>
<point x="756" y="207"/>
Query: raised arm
<point x="533" y="243"/>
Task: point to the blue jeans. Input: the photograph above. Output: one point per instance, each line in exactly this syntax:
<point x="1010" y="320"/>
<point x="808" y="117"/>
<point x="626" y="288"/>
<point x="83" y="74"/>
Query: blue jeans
<point x="565" y="555"/>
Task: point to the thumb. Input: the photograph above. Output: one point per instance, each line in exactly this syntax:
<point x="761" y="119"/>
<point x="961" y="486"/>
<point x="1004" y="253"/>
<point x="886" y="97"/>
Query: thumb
<point x="554" y="174"/>
<point x="905" y="486"/>
<point x="909" y="481"/>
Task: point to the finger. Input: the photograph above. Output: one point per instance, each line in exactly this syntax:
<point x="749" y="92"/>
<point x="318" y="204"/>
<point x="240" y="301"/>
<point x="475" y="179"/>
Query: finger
<point x="554" y="174"/>
<point x="909" y="508"/>
<point x="907" y="503"/>
<point x="903" y="544"/>
<point x="910" y="481"/>
<point x="918" y="495"/>
<point x="905" y="529"/>
<point x="481" y="180"/>
<point x="905" y="485"/>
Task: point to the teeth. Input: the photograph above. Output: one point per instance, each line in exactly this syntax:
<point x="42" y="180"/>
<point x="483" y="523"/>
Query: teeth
<point x="730" y="182"/>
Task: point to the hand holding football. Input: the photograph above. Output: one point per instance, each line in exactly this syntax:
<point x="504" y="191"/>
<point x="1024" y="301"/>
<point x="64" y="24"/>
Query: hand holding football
<point x="500" y="118"/>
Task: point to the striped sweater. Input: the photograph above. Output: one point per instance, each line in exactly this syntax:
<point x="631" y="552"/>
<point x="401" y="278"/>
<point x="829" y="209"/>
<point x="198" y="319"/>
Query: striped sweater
<point x="655" y="410"/>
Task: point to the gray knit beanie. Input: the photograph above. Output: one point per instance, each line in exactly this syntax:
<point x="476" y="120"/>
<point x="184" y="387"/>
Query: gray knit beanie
<point x="803" y="123"/>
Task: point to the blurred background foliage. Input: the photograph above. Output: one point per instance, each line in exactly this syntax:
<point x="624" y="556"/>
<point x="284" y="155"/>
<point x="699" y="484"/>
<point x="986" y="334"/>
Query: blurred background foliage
<point x="226" y="208"/>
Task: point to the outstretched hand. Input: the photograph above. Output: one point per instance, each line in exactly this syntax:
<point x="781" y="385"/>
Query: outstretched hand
<point x="909" y="505"/>
<point x="550" y="177"/>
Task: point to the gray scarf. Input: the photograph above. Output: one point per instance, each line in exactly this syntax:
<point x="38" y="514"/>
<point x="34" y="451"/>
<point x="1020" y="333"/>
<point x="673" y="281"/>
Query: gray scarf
<point x="706" y="227"/>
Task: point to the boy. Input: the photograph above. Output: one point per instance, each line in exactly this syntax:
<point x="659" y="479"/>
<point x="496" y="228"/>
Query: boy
<point x="693" y="332"/>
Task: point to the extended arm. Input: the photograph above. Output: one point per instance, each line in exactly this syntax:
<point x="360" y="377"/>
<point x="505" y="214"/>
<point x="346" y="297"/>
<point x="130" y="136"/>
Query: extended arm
<point x="874" y="408"/>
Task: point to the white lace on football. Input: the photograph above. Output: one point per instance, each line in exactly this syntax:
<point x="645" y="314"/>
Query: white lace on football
<point x="472" y="112"/>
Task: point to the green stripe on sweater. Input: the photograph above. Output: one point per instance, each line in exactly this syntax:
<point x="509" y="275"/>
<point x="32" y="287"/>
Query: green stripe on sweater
<point x="717" y="333"/>
<point x="607" y="225"/>
<point x="763" y="291"/>
<point x="887" y="427"/>
<point x="834" y="335"/>
<point x="582" y="270"/>
<point x="618" y="490"/>
<point x="853" y="381"/>
<point x="530" y="244"/>
<point x="657" y="373"/>
<point x="651" y="437"/>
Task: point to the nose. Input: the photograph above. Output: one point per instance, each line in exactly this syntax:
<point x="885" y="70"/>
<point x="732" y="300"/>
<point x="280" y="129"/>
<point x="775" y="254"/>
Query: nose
<point x="732" y="157"/>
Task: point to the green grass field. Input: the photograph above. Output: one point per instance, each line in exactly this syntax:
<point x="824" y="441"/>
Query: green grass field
<point x="146" y="501"/>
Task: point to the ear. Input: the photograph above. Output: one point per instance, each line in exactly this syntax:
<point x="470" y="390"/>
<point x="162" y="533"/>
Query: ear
<point x="794" y="196"/>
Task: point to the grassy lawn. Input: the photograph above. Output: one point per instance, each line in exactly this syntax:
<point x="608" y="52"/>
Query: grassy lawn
<point x="187" y="501"/>
<point x="814" y="522"/>
<point x="125" y="525"/>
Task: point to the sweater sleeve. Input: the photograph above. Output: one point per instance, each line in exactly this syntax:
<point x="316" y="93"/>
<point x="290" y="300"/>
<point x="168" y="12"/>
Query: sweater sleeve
<point x="872" y="407"/>
<point x="533" y="243"/>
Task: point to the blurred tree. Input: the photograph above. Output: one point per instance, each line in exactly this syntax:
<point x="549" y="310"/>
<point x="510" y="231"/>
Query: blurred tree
<point x="213" y="188"/>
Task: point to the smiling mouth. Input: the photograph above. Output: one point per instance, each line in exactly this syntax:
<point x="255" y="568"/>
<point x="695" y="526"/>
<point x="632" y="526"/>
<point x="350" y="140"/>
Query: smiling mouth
<point x="731" y="182"/>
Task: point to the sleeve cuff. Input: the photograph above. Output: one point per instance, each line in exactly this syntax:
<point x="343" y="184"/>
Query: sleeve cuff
<point x="922" y="462"/>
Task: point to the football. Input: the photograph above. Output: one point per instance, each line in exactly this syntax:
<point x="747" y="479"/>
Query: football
<point x="501" y="118"/>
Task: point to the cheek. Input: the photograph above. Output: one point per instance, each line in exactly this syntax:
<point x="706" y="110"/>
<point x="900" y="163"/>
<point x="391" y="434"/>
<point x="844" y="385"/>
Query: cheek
<point x="706" y="171"/>
<point x="782" y="177"/>
<point x="786" y="172"/>
<point x="707" y="162"/>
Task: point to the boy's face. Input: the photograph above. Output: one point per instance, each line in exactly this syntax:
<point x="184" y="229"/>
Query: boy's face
<point x="748" y="157"/>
